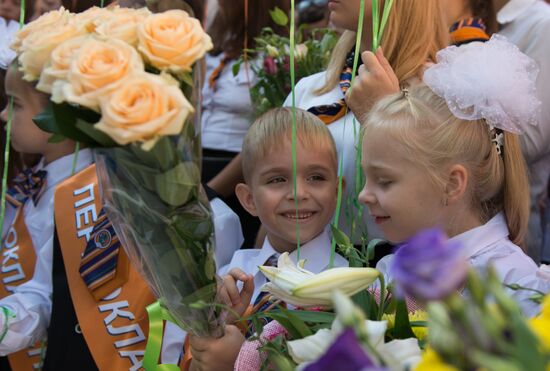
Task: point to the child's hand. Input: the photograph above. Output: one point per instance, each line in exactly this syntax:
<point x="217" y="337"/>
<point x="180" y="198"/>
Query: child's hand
<point x="216" y="354"/>
<point x="375" y="80"/>
<point x="238" y="301"/>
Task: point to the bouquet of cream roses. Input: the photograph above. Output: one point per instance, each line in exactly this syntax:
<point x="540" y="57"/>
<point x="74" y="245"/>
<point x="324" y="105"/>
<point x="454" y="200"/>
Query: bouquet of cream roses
<point x="125" y="81"/>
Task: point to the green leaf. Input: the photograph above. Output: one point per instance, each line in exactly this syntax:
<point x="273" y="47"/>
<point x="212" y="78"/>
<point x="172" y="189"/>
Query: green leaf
<point x="62" y="118"/>
<point x="236" y="67"/>
<point x="56" y="138"/>
<point x="177" y="185"/>
<point x="340" y="237"/>
<point x="278" y="16"/>
<point x="100" y="137"/>
<point x="372" y="246"/>
<point x="309" y="316"/>
<point x="402" y="328"/>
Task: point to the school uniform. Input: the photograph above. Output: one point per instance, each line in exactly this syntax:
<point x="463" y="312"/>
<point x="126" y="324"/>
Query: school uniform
<point x="489" y="245"/>
<point x="346" y="134"/>
<point x="92" y="330"/>
<point x="30" y="302"/>
<point x="316" y="253"/>
<point x="526" y="23"/>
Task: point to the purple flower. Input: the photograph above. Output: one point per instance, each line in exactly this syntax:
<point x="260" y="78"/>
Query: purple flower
<point x="428" y="266"/>
<point x="345" y="353"/>
<point x="270" y="65"/>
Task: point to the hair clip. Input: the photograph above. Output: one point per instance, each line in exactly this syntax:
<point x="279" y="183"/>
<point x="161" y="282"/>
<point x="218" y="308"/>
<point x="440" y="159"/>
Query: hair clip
<point x="497" y="138"/>
<point x="405" y="92"/>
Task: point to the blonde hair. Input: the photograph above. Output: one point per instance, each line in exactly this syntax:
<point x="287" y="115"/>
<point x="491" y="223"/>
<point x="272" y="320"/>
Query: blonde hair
<point x="268" y="132"/>
<point x="434" y="138"/>
<point x="415" y="32"/>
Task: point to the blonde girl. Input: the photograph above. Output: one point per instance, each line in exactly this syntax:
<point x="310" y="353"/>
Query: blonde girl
<point x="446" y="155"/>
<point x="415" y="32"/>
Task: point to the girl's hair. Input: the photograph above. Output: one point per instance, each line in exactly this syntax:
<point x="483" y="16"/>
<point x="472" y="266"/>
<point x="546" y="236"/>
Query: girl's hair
<point x="415" y="32"/>
<point x="485" y="9"/>
<point x="229" y="28"/>
<point x="431" y="135"/>
<point x="269" y="131"/>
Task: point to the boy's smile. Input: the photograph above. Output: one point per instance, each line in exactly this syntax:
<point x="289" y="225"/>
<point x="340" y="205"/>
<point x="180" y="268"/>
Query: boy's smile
<point x="273" y="198"/>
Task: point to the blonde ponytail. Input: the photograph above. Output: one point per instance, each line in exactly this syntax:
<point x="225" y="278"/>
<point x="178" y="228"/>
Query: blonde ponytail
<point x="516" y="190"/>
<point x="422" y="123"/>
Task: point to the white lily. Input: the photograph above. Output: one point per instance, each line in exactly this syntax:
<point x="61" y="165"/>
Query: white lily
<point x="398" y="355"/>
<point x="300" y="287"/>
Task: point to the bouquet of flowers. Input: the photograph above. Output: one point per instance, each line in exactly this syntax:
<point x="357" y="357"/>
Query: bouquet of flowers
<point x="471" y="322"/>
<point x="270" y="62"/>
<point x="125" y="81"/>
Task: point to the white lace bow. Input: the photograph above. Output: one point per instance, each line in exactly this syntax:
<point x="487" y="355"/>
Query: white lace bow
<point x="491" y="80"/>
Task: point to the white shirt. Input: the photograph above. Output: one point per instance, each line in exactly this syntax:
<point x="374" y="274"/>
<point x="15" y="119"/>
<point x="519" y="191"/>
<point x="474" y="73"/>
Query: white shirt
<point x="527" y="25"/>
<point x="227" y="231"/>
<point x="346" y="133"/>
<point x="226" y="109"/>
<point x="316" y="253"/>
<point x="489" y="245"/>
<point x="31" y="301"/>
<point x="7" y="32"/>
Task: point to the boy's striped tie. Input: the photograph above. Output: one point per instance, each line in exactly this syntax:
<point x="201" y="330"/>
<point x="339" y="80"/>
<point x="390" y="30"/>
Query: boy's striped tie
<point x="98" y="266"/>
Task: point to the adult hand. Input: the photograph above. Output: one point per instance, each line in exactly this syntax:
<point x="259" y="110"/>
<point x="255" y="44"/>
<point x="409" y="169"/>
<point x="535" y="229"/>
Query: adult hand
<point x="375" y="80"/>
<point x="210" y="354"/>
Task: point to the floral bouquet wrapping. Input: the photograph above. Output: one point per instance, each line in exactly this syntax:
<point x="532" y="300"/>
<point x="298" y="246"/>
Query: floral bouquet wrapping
<point x="126" y="82"/>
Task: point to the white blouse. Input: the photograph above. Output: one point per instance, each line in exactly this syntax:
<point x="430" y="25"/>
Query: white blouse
<point x="489" y="245"/>
<point x="227" y="108"/>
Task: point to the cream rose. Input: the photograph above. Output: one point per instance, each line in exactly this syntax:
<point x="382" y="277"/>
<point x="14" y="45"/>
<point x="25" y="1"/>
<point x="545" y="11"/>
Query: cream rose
<point x="37" y="47"/>
<point x="172" y="40"/>
<point x="96" y="70"/>
<point x="55" y="18"/>
<point x="142" y="109"/>
<point x="59" y="63"/>
<point x="89" y="18"/>
<point x="122" y="24"/>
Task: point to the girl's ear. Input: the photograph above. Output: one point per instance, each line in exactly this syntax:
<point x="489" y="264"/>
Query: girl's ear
<point x="244" y="194"/>
<point x="457" y="183"/>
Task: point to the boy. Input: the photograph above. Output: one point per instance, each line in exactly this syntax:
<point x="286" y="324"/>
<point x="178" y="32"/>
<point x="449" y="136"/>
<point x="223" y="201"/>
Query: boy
<point x="269" y="194"/>
<point x="45" y="236"/>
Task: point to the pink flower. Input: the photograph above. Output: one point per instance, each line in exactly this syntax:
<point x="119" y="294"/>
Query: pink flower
<point x="270" y="66"/>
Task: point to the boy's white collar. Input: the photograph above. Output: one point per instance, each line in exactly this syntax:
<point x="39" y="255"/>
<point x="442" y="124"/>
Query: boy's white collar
<point x="316" y="252"/>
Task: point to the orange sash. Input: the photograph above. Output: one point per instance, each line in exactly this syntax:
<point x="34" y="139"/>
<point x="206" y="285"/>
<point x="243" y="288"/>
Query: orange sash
<point x="18" y="262"/>
<point x="116" y="327"/>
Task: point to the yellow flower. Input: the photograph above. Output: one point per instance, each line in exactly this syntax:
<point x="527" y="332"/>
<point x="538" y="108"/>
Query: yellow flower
<point x="121" y="24"/>
<point x="172" y="40"/>
<point x="96" y="70"/>
<point x="420" y="332"/>
<point x="60" y="61"/>
<point x="144" y="108"/>
<point x="540" y="325"/>
<point x="432" y="362"/>
<point x="55" y="18"/>
<point x="37" y="47"/>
